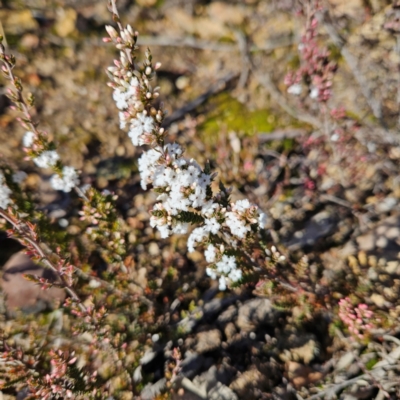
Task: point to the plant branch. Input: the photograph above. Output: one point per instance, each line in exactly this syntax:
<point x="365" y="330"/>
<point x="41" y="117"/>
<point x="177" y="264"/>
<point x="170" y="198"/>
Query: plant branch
<point x="25" y="232"/>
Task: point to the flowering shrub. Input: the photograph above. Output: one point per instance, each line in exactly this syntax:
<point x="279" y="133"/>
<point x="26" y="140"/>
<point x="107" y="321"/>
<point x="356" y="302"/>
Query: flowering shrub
<point x="95" y="348"/>
<point x="359" y="320"/>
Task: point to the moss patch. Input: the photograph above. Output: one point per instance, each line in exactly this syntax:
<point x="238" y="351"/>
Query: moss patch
<point x="228" y="114"/>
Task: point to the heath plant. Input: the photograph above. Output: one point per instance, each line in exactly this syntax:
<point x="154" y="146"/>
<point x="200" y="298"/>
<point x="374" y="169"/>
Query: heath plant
<point x="91" y="347"/>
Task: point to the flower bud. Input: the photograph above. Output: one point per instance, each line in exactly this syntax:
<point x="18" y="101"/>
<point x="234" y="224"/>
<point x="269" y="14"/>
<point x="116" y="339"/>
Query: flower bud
<point x="130" y="30"/>
<point x="111" y="31"/>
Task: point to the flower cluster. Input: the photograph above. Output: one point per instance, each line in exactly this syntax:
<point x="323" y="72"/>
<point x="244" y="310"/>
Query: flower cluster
<point x="357" y="319"/>
<point x="316" y="70"/>
<point x="35" y="142"/>
<point x="66" y="179"/>
<point x="184" y="189"/>
<point x="5" y="192"/>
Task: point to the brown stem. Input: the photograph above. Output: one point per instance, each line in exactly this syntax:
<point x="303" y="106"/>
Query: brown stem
<point x="19" y="227"/>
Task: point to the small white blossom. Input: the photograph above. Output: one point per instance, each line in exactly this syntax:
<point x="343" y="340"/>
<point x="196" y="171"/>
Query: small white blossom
<point x="295" y="89"/>
<point x="124" y="96"/>
<point x="237" y="226"/>
<point x="209" y="208"/>
<point x="242" y="205"/>
<point x="147" y="163"/>
<point x="140" y="125"/>
<point x="46" y="159"/>
<point x="28" y="139"/>
<point x="212" y="225"/>
<point x="211" y="273"/>
<point x="210" y="253"/>
<point x="235" y="275"/>
<point x="164" y="231"/>
<point x="226" y="264"/>
<point x="314" y="93"/>
<point x="196" y="237"/>
<point x="67" y="181"/>
<point x="174" y="149"/>
<point x="222" y="283"/>
<point x="180" y="228"/>
<point x="5" y="193"/>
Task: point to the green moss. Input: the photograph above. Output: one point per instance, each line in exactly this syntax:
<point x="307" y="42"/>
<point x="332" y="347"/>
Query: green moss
<point x="371" y="363"/>
<point x="229" y="114"/>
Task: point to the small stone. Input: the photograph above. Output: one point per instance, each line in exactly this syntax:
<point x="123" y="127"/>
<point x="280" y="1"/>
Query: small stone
<point x="152" y="390"/>
<point x="391" y="267"/>
<point x="249" y="380"/>
<point x="254" y="313"/>
<point x="345" y="361"/>
<point x="221" y="392"/>
<point x="208" y="340"/>
<point x="379" y="300"/>
<point x="148" y="357"/>
<point x="230" y="331"/>
<point x="192" y="364"/>
<point x="227" y="316"/>
<point x="23" y="294"/>
<point x="301" y="348"/>
<point x="302" y="375"/>
<point x="154" y="250"/>
<point x="30" y="41"/>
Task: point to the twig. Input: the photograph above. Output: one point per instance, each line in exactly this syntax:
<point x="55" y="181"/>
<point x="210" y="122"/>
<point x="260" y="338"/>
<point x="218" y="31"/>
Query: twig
<point x="165" y="41"/>
<point x="280" y="134"/>
<point x="334" y="199"/>
<point x="246" y="64"/>
<point x="25" y="235"/>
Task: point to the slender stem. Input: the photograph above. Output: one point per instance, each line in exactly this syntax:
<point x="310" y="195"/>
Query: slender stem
<point x="19" y="227"/>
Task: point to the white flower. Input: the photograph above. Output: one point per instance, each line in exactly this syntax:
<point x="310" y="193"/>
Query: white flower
<point x="209" y="208"/>
<point x="211" y="273"/>
<point x="335" y="137"/>
<point x="5" y="193"/>
<point x="67" y="181"/>
<point x="212" y="225"/>
<point x="180" y="228"/>
<point x="123" y="118"/>
<point x="164" y="231"/>
<point x="147" y="165"/>
<point x="226" y="264"/>
<point x="198" y="197"/>
<point x="174" y="149"/>
<point x="124" y="96"/>
<point x="140" y="125"/>
<point x="222" y="283"/>
<point x="204" y="180"/>
<point x="28" y="139"/>
<point x="46" y="159"/>
<point x="314" y="93"/>
<point x="295" y="89"/>
<point x="237" y="226"/>
<point x="235" y="275"/>
<point x="242" y="205"/>
<point x="210" y="253"/>
<point x="195" y="237"/>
